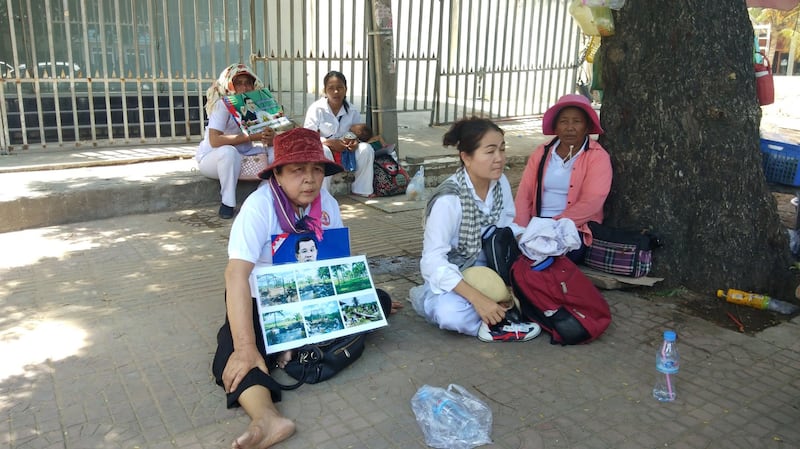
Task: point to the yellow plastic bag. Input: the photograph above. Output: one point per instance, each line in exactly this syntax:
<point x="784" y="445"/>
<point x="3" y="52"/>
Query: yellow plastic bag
<point x="593" y="20"/>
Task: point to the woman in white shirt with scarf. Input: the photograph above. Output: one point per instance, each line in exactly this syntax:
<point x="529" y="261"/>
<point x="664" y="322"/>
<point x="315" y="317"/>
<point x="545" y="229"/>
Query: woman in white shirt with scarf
<point x="332" y="116"/>
<point x="476" y="197"/>
<point x="219" y="155"/>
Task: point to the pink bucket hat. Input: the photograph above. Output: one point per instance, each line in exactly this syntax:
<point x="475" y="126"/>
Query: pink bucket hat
<point x="573" y="100"/>
<point x="299" y="146"/>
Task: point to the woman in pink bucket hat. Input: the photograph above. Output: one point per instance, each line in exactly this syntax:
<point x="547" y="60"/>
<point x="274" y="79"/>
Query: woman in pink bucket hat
<point x="291" y="199"/>
<point x="570" y="176"/>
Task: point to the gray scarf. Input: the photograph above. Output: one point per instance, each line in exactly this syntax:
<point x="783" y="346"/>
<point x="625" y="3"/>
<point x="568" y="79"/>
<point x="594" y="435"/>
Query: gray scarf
<point x="472" y="218"/>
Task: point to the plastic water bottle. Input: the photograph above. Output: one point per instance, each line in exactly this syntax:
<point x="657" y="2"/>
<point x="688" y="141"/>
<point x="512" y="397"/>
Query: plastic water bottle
<point x="667" y="364"/>
<point x="448" y="417"/>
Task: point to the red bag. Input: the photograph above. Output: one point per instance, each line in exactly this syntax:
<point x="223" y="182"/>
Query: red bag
<point x="765" y="85"/>
<point x="389" y="177"/>
<point x="561" y="299"/>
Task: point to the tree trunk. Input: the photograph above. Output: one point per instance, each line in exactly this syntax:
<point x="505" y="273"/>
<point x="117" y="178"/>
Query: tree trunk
<point x="682" y="127"/>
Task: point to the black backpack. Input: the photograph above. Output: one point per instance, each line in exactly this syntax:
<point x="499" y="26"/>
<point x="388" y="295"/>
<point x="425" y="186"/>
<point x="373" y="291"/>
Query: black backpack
<point x="501" y="249"/>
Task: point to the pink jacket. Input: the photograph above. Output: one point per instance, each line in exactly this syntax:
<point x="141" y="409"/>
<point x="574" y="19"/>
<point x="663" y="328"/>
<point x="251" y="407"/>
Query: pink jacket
<point x="590" y="183"/>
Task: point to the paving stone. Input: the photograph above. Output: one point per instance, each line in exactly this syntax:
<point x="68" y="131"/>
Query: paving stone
<point x="135" y="314"/>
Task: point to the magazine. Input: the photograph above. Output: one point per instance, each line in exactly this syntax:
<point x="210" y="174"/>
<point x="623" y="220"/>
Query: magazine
<point x="256" y="110"/>
<point x="310" y="302"/>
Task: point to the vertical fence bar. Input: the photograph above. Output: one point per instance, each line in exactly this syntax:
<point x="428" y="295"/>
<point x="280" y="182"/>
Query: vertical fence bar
<point x="404" y="57"/>
<point x="183" y="38"/>
<point x="106" y="75"/>
<point x="305" y="52"/>
<point x="198" y="64"/>
<point x="484" y="74"/>
<point x="156" y="70"/>
<point x="510" y="68"/>
<point x="15" y="56"/>
<point x="5" y="138"/>
<point x="87" y="63"/>
<point x="168" y="59"/>
<point x="117" y="12"/>
<point x="138" y="67"/>
<point x="33" y="67"/>
<point x="432" y="55"/>
<point x="526" y="52"/>
<point x="70" y="60"/>
<point x="437" y="83"/>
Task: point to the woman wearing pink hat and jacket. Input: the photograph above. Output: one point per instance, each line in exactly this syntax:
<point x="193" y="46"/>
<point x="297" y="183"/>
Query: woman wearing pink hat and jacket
<point x="570" y="176"/>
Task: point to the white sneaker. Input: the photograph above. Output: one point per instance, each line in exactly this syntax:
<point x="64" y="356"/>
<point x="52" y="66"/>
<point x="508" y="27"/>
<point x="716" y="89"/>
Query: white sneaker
<point x="508" y="331"/>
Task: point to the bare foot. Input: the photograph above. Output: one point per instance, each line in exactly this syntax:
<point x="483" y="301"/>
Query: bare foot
<point x="269" y="430"/>
<point x="396" y="305"/>
<point x="283" y="358"/>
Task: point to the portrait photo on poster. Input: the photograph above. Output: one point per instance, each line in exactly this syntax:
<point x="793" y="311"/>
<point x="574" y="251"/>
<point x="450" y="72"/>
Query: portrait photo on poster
<point x="306" y="247"/>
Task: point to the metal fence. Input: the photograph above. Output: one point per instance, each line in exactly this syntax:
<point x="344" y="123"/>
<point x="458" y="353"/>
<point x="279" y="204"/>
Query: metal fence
<point x="110" y="72"/>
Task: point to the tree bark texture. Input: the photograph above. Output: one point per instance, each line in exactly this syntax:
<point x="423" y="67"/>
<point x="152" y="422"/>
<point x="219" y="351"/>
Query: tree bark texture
<point x="682" y="127"/>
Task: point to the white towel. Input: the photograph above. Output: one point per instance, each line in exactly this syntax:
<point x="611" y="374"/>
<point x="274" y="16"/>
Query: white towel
<point x="545" y="237"/>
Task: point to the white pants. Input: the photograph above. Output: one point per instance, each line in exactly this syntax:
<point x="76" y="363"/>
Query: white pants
<point x="449" y="311"/>
<point x="362" y="184"/>
<point x="223" y="163"/>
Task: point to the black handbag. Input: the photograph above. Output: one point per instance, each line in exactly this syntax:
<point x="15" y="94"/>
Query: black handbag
<point x="318" y="362"/>
<point x="619" y="251"/>
<point x="501" y="249"/>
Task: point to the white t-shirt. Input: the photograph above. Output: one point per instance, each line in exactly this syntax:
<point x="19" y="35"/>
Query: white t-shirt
<point x="319" y="117"/>
<point x="252" y="230"/>
<point x="221" y="120"/>
<point x="555" y="183"/>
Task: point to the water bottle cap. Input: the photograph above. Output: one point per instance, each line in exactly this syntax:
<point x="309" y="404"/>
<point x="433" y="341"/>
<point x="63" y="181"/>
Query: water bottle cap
<point x="669" y="335"/>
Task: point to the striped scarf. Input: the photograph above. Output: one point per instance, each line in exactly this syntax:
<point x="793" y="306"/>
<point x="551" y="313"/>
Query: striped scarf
<point x="472" y="218"/>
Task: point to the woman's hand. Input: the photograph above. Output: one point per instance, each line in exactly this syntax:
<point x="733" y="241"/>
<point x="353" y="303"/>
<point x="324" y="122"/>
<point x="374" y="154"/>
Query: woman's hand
<point x="490" y="312"/>
<point x="239" y="364"/>
<point x="336" y="145"/>
<point x="266" y="136"/>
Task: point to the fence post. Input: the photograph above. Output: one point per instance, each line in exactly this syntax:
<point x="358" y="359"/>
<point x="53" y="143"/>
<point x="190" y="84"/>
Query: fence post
<point x="382" y="71"/>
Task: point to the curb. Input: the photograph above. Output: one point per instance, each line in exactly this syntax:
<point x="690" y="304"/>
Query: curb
<point x="91" y="194"/>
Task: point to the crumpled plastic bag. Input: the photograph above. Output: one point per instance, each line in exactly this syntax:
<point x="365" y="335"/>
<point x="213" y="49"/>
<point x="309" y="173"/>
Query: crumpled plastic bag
<point x="452" y="418"/>
<point x="415" y="191"/>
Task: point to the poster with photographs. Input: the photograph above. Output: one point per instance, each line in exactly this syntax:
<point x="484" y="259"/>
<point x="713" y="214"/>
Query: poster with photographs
<point x="310" y="302"/>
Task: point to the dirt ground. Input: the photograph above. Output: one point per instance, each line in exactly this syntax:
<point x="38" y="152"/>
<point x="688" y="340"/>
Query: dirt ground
<point x="717" y="310"/>
<point x="731" y="316"/>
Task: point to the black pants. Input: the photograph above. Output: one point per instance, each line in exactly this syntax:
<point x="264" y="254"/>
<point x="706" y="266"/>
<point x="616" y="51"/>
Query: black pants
<point x="255" y="376"/>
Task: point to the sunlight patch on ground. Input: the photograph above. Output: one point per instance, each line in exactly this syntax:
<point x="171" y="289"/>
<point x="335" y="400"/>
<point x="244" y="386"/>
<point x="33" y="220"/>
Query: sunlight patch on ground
<point x="35" y="342"/>
<point x="24" y="248"/>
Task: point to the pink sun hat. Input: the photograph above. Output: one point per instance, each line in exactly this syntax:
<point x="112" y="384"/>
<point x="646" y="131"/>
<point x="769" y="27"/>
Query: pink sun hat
<point x="570" y="100"/>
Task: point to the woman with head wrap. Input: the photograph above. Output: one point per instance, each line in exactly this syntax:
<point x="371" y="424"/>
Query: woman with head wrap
<point x="219" y="155"/>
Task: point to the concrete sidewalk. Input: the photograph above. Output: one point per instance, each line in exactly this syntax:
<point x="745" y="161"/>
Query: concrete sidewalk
<point x="43" y="188"/>
<point x="108" y="330"/>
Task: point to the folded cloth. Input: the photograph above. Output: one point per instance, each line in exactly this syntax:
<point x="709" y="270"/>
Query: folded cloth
<point x="545" y="237"/>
